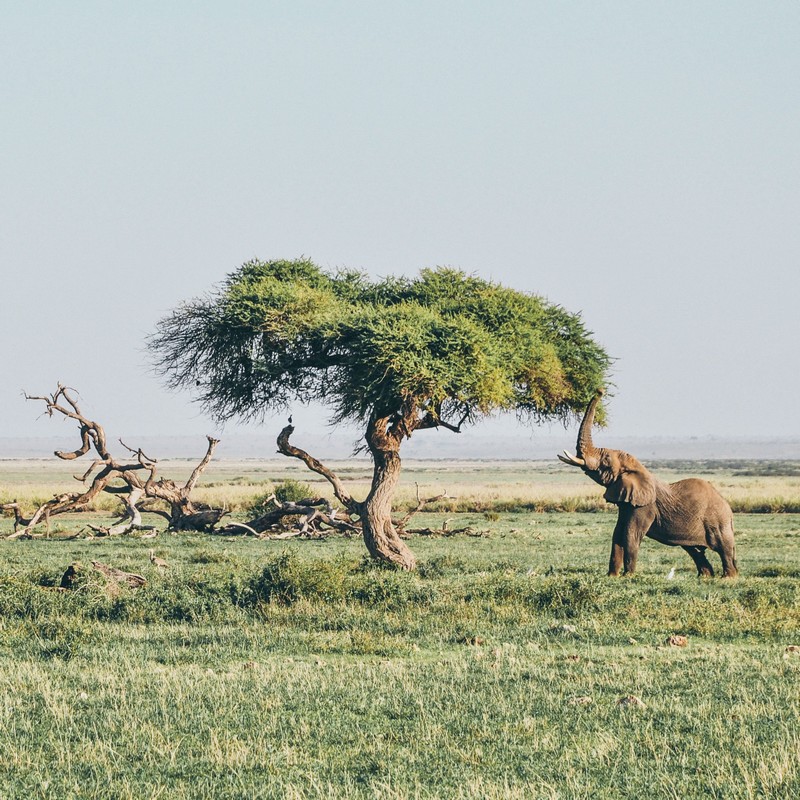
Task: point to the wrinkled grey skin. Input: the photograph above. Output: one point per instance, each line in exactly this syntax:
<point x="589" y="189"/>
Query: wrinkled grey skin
<point x="690" y="514"/>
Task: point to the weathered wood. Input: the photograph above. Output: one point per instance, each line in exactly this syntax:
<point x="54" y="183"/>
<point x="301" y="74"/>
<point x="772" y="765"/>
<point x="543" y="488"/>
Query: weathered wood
<point x="120" y="576"/>
<point x="383" y="542"/>
<point x="184" y="515"/>
<point x="309" y="514"/>
<point x="421" y="503"/>
<point x="71" y="576"/>
<point x="342" y="495"/>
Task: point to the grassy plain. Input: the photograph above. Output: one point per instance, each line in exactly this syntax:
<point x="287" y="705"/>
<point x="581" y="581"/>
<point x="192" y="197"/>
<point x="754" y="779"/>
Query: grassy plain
<point x="267" y="669"/>
<point x="472" y="485"/>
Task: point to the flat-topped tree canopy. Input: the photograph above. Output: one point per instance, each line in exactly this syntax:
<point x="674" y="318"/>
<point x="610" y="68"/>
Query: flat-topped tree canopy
<point x="396" y="354"/>
<point x="451" y="346"/>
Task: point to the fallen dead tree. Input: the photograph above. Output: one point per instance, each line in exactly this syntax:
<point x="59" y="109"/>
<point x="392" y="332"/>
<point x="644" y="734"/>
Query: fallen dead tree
<point x="311" y="517"/>
<point x="133" y="480"/>
<point x="73" y="576"/>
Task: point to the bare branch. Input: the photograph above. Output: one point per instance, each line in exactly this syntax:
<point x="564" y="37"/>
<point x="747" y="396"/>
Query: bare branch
<point x="432" y="419"/>
<point x="212" y="444"/>
<point x="316" y="466"/>
<point x="82" y="478"/>
<point x="183" y="514"/>
<point x="131" y="519"/>
<point x="86" y="441"/>
<point x="144" y="460"/>
<point x="421" y="503"/>
<point x="244" y="527"/>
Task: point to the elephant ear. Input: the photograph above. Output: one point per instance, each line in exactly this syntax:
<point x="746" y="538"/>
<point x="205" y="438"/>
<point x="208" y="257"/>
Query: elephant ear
<point x="635" y="487"/>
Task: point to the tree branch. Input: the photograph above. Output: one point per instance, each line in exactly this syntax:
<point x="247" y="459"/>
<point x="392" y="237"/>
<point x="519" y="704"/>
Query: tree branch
<point x="433" y="419"/>
<point x="183" y="513"/>
<point x="421" y="503"/>
<point x="212" y="444"/>
<point x="316" y="466"/>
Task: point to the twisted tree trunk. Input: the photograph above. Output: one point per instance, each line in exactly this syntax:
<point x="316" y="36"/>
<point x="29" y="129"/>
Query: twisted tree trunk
<point x="375" y="513"/>
<point x="380" y="535"/>
<point x="385" y="433"/>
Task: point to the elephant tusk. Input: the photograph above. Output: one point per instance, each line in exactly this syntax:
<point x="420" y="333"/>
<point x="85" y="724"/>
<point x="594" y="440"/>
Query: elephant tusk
<point x="573" y="461"/>
<point x="577" y="460"/>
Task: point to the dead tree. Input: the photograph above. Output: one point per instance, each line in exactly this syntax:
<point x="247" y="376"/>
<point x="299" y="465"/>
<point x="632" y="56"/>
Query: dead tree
<point x="71" y="578"/>
<point x="402" y="525"/>
<point x="137" y="477"/>
<point x="312" y="517"/>
<point x="184" y="513"/>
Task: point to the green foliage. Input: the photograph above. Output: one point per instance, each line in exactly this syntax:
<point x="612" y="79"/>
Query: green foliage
<point x="446" y="342"/>
<point x="292" y="491"/>
<point x="287" y="579"/>
<point x="287" y="491"/>
<point x="765" y="505"/>
<point x="59" y="637"/>
<point x="569" y="597"/>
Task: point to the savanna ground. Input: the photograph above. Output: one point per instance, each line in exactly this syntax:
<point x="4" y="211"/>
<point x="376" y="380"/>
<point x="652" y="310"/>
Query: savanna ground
<point x="297" y="669"/>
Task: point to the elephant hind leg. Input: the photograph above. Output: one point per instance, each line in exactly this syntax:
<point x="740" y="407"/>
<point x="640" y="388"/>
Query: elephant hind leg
<point x="703" y="565"/>
<point x="727" y="553"/>
<point x="720" y="540"/>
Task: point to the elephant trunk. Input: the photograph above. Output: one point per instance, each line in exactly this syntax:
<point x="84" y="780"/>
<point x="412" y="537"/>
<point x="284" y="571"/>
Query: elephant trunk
<point x="585" y="447"/>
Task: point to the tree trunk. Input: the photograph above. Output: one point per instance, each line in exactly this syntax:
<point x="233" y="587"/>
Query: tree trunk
<point x="380" y="535"/>
<point x="384" y="435"/>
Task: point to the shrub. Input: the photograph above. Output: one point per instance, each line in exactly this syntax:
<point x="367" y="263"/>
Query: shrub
<point x="291" y="491"/>
<point x="442" y="565"/>
<point x="288" y="491"/>
<point x="770" y="595"/>
<point x="286" y="579"/>
<point x="567" y="597"/>
<point x="390" y="589"/>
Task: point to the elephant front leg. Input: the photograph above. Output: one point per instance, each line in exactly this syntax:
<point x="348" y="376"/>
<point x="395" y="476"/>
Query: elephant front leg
<point x="630" y="555"/>
<point x="615" y="562"/>
<point x="632" y="525"/>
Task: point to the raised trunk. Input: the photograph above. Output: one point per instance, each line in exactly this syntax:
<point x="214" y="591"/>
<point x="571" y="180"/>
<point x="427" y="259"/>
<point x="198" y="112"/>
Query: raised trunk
<point x="380" y="535"/>
<point x="585" y="447"/>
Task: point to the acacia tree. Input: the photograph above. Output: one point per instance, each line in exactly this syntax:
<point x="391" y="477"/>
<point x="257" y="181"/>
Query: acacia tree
<point x="397" y="355"/>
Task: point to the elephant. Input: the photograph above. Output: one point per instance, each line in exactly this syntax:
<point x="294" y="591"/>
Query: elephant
<point x="690" y="513"/>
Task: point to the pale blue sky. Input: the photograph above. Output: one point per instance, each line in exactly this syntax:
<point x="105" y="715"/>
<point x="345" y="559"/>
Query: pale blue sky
<point x="638" y="162"/>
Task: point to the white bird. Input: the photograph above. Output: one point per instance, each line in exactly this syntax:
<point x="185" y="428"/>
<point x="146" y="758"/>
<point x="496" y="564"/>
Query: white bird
<point x="671" y="574"/>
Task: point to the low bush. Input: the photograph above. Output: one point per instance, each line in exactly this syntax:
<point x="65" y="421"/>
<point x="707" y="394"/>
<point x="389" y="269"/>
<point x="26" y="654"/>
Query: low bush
<point x="569" y="596"/>
<point x="287" y="579"/>
<point x="288" y="491"/>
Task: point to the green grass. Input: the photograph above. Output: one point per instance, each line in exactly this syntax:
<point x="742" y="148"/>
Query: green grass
<point x="261" y="669"/>
<point x="258" y="669"/>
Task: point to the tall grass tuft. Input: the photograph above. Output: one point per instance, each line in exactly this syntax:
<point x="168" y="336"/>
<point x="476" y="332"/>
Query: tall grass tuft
<point x="287" y="579"/>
